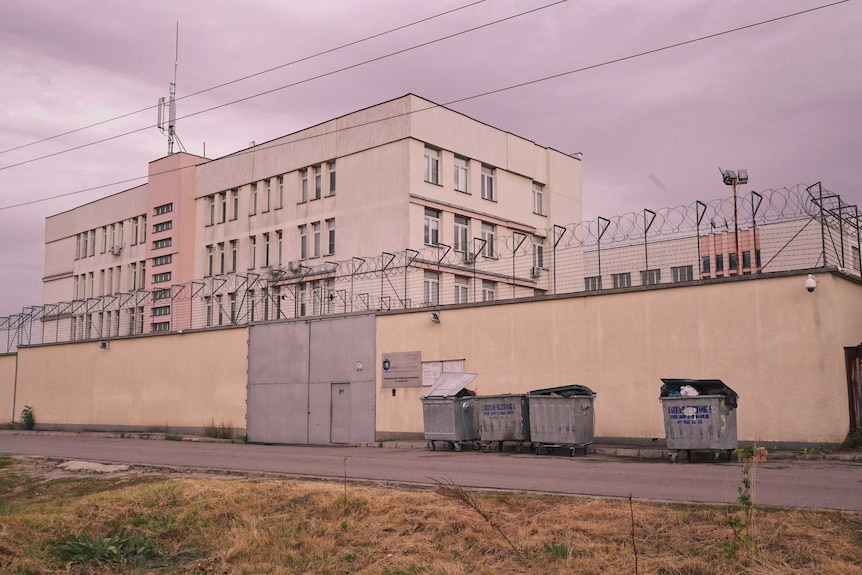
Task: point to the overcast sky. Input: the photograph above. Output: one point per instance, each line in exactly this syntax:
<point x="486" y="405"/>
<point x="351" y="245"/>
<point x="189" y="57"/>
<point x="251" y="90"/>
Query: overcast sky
<point x="780" y="99"/>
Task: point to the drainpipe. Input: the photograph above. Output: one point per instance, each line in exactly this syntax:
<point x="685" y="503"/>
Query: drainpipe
<point x="15" y="386"/>
<point x="308" y="390"/>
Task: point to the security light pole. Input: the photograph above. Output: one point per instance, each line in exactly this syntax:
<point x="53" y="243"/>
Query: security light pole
<point x="732" y="178"/>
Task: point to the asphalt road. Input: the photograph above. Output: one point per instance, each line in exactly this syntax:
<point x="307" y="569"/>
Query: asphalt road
<point x="821" y="484"/>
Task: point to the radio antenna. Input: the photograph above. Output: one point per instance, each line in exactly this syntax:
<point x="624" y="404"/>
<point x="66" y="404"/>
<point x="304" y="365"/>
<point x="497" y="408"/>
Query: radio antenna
<point x="171" y="129"/>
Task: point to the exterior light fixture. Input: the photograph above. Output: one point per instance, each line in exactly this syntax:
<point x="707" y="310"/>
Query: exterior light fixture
<point x="434" y="316"/>
<point x="732" y="178"/>
<point x="104" y="345"/>
<point x="811" y="283"/>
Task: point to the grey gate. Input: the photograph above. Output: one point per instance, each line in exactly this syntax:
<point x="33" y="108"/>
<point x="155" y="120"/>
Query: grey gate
<point x="339" y="422"/>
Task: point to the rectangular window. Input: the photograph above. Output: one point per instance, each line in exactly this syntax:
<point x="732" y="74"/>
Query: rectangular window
<point x="161" y="278"/>
<point x="623" y="280"/>
<point x="232" y="297"/>
<point x="489" y="289"/>
<point x="252" y="252"/>
<point x="315" y="227"/>
<point x="462" y="286"/>
<point x="266" y="250"/>
<point x="538" y="199"/>
<point x="252" y="305"/>
<point x="210" y="259"/>
<point x="162" y="310"/>
<point x="162" y="260"/>
<point x="303" y="188"/>
<point x="593" y="283"/>
<point x="234" y="198"/>
<point x="731" y="263"/>
<point x="252" y="206"/>
<point x="143" y="233"/>
<point x="162" y="227"/>
<point x="317" y="182"/>
<point x="432" y="165"/>
<point x="136" y="231"/>
<point x="161" y="294"/>
<point x="488" y="232"/>
<point x="461" y="234"/>
<point x="431" y="288"/>
<point x="222" y="200"/>
<point x="105" y="238"/>
<point x="133" y="268"/>
<point x="221" y="257"/>
<point x="330" y="236"/>
<point x="142" y="266"/>
<point x="280" y="197"/>
<point x="279" y="247"/>
<point x="211" y="209"/>
<point x="488" y="183"/>
<point x="208" y="301"/>
<point x="332" y="178"/>
<point x="854" y="252"/>
<point x="461" y="175"/>
<point x="719" y="263"/>
<point x="164" y="209"/>
<point x="78" y="246"/>
<point x="234" y="245"/>
<point x="757" y="258"/>
<point x="84" y="241"/>
<point x="219" y="309"/>
<point x="267" y="199"/>
<point x="160" y="244"/>
<point x="650" y="277"/>
<point x="538" y="252"/>
<point x="746" y="260"/>
<point x="682" y="274"/>
<point x="432" y="227"/>
<point x="303" y="242"/>
<point x="705" y="264"/>
<point x="162" y="326"/>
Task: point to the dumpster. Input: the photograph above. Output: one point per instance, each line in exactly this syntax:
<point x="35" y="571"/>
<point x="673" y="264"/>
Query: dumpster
<point x="503" y="418"/>
<point x="562" y="417"/>
<point x="449" y="412"/>
<point x="699" y="415"/>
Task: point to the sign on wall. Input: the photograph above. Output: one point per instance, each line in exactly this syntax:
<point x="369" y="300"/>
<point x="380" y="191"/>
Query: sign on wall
<point x="402" y="369"/>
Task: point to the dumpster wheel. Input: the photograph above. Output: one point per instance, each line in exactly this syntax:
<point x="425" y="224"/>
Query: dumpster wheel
<point x="672" y="457"/>
<point x="456" y="446"/>
<point x="431" y="446"/>
<point x="486" y="448"/>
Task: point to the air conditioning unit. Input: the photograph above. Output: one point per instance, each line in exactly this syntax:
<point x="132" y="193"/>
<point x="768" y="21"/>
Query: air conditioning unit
<point x="536" y="271"/>
<point x="116" y="250"/>
<point x="469" y="257"/>
<point x="293" y="266"/>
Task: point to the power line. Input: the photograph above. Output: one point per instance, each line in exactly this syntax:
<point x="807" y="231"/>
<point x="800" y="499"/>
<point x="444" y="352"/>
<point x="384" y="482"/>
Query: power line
<point x="300" y="82"/>
<point x="446" y="104"/>
<point x="237" y="80"/>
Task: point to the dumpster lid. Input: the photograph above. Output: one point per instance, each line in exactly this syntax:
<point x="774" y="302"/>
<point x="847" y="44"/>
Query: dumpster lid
<point x="452" y="385"/>
<point x="703" y="387"/>
<point x="564" y="390"/>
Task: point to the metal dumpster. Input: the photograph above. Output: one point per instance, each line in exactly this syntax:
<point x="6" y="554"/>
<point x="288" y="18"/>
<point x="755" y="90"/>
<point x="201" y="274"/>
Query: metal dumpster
<point x="449" y="412"/>
<point x="503" y="418"/>
<point x="562" y="417"/>
<point x="702" y="422"/>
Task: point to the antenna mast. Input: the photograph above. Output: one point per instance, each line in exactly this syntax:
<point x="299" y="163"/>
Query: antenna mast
<point x="172" y="103"/>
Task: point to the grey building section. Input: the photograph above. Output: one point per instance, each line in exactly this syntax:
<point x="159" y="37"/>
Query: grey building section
<point x="312" y="381"/>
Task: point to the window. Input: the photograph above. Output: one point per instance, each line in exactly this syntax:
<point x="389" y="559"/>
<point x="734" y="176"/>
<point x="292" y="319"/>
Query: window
<point x="488" y="183"/>
<point x="854" y="253"/>
<point x="164" y="209"/>
<point x="682" y="274"/>
<point x="489" y="288"/>
<point x="303" y="242"/>
<point x="731" y="263"/>
<point x="315" y="227"/>
<point x="162" y="326"/>
<point x="223" y="207"/>
<point x="211" y="207"/>
<point x="593" y="283"/>
<point x="232" y="297"/>
<point x="163" y="277"/>
<point x="461" y="175"/>
<point x="210" y="259"/>
<point x="332" y="178"/>
<point x="303" y="174"/>
<point x="162" y="310"/>
<point x="538" y="198"/>
<point x="133" y="267"/>
<point x="135" y="232"/>
<point x="280" y="198"/>
<point x="234" y="198"/>
<point x="78" y="246"/>
<point x="252" y="252"/>
<point x="278" y="237"/>
<point x="143" y="268"/>
<point x="461" y="233"/>
<point x="538" y="252"/>
<point x="705" y="264"/>
<point x="143" y="233"/>
<point x="317" y="182"/>
<point x="162" y="260"/>
<point x="221" y="257"/>
<point x="161" y="294"/>
<point x="84" y="240"/>
<point x="301" y="301"/>
<point x="252" y="304"/>
<point x="623" y="280"/>
<point x="330" y="236"/>
<point x="267" y="199"/>
<point x="92" y="242"/>
<point x="462" y="285"/>
<point x="431" y="288"/>
<point x="220" y="309"/>
<point x="234" y="244"/>
<point x="650" y="277"/>
<point x="162" y="227"/>
<point x="105" y="237"/>
<point x="757" y="258"/>
<point x="208" y="301"/>
<point x="252" y="206"/>
<point x="746" y="260"/>
<point x="160" y="244"/>
<point x="488" y="231"/>
<point x="266" y="250"/>
<point x="719" y="263"/>
<point x="432" y="165"/>
<point x="432" y="227"/>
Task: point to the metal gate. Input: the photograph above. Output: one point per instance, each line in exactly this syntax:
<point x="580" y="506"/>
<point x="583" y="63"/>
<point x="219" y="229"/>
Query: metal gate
<point x="853" y="359"/>
<point x="339" y="422"/>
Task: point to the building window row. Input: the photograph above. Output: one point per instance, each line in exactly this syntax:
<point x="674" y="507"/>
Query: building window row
<point x="311" y="181"/>
<point x="461" y="235"/>
<point x="111" y="239"/>
<point x="163" y="209"/>
<point x="714" y="266"/>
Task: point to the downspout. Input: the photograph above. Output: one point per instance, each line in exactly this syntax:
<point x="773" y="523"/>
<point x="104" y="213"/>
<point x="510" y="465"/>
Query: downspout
<point x="15" y="386"/>
<point x="308" y="390"/>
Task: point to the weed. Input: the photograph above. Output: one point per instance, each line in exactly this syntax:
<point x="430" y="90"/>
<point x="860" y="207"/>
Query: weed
<point x="117" y="549"/>
<point x="558" y="550"/>
<point x="853" y="439"/>
<point x="173" y="437"/>
<point x="28" y="419"/>
<point x="344" y="525"/>
<point x="819" y="450"/>
<point x="221" y="431"/>
<point x="740" y="524"/>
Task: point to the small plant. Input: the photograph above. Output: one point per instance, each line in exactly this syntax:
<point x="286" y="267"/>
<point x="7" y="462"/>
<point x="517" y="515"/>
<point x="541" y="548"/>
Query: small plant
<point x="173" y="437"/>
<point x="116" y="549"/>
<point x="740" y="523"/>
<point x="344" y="525"/>
<point x="819" y="450"/>
<point x="558" y="550"/>
<point x="853" y="440"/>
<point x="221" y="431"/>
<point x="28" y="419"/>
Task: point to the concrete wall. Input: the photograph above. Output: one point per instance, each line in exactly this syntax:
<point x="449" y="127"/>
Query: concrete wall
<point x="174" y="382"/>
<point x="778" y="346"/>
<point x="7" y="389"/>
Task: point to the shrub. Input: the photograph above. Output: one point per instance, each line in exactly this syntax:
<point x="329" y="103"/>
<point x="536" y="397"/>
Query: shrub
<point x="28" y="419"/>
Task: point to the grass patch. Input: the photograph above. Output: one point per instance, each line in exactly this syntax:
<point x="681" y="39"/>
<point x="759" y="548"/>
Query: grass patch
<point x="179" y="525"/>
<point x="221" y="431"/>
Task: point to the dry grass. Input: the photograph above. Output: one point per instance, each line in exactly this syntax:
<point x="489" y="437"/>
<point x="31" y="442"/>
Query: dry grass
<point x="204" y="525"/>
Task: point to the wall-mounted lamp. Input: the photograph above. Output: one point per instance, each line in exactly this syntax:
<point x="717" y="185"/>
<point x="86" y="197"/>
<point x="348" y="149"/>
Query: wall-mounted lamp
<point x="103" y="345"/>
<point x="434" y="316"/>
<point x="578" y="155"/>
<point x="811" y="283"/>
